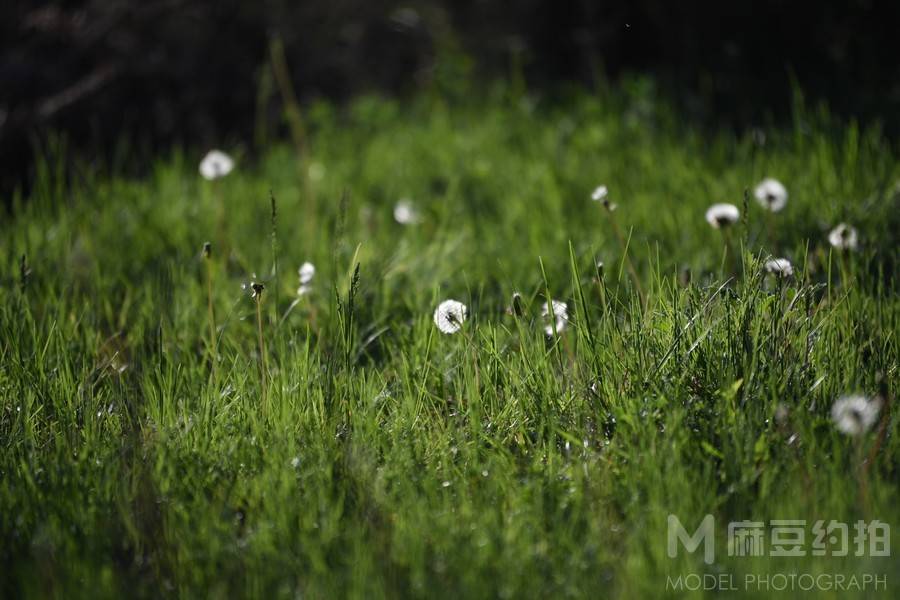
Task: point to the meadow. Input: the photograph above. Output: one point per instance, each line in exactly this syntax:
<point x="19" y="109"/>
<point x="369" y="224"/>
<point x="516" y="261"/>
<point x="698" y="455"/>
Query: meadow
<point x="169" y="429"/>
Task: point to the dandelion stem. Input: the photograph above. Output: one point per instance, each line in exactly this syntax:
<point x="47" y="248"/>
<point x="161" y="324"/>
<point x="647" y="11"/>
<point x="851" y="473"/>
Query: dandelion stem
<point x="220" y="218"/>
<point x="863" y="476"/>
<point x="882" y="433"/>
<point x="213" y="355"/>
<point x="274" y="215"/>
<point x="727" y="254"/>
<point x="770" y="230"/>
<point x="263" y="365"/>
<point x="829" y="278"/>
<point x="843" y="265"/>
<point x="631" y="270"/>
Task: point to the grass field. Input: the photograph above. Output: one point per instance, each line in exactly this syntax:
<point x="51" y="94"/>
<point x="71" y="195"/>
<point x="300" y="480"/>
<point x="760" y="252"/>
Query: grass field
<point x="337" y="444"/>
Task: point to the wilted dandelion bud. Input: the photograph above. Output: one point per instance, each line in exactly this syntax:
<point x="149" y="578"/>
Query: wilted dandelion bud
<point x="843" y="237"/>
<point x="216" y="164"/>
<point x="450" y="315"/>
<point x="600" y="270"/>
<point x="771" y="194"/>
<point x="257" y="289"/>
<point x="722" y="215"/>
<point x="781" y="267"/>
<point x="405" y="212"/>
<point x="207" y="250"/>
<point x="855" y="415"/>
<point x="558" y="313"/>
<point x="601" y="194"/>
<point x="517" y="307"/>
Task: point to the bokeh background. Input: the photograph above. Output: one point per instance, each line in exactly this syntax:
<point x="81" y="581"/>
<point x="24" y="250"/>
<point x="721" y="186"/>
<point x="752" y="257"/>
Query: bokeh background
<point x="118" y="81"/>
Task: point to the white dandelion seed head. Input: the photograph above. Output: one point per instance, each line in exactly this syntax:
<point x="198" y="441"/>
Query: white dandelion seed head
<point x="306" y="272"/>
<point x="722" y="215"/>
<point x="405" y="212"/>
<point x="601" y="194"/>
<point x="216" y="164"/>
<point x="559" y="313"/>
<point x="843" y="237"/>
<point x="771" y="194"/>
<point x="450" y="315"/>
<point x="247" y="286"/>
<point x="854" y="415"/>
<point x="781" y="267"/>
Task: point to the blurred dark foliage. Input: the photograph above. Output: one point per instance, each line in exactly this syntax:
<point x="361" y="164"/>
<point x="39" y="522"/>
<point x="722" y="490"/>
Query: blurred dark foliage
<point x="163" y="72"/>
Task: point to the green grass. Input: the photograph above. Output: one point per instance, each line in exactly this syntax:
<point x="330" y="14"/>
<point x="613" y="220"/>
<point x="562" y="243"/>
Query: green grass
<point x="385" y="459"/>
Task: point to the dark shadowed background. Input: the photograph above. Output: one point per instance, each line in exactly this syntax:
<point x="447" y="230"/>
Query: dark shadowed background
<point x="153" y="73"/>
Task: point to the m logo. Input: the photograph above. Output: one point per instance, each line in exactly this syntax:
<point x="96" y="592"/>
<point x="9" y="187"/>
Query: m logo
<point x="705" y="534"/>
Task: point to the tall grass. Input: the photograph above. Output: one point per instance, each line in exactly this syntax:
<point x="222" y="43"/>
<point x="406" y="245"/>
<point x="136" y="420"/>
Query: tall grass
<point x="397" y="461"/>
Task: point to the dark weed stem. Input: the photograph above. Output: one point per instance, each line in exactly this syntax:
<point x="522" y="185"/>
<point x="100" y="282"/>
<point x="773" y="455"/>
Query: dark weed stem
<point x="263" y="361"/>
<point x="213" y="355"/>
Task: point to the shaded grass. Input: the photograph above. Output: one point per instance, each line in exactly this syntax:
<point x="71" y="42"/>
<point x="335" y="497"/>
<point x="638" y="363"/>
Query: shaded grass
<point x="396" y="461"/>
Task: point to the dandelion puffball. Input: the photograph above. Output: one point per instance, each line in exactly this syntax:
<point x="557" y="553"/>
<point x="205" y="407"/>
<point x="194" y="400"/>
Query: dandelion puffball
<point x="722" y="215"/>
<point x="405" y="212"/>
<point x="450" y="315"/>
<point x="771" y="194"/>
<point x="843" y="237"/>
<point x="855" y="415"/>
<point x="306" y="272"/>
<point x="216" y="164"/>
<point x="781" y="267"/>
<point x="601" y="194"/>
<point x="560" y="314"/>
